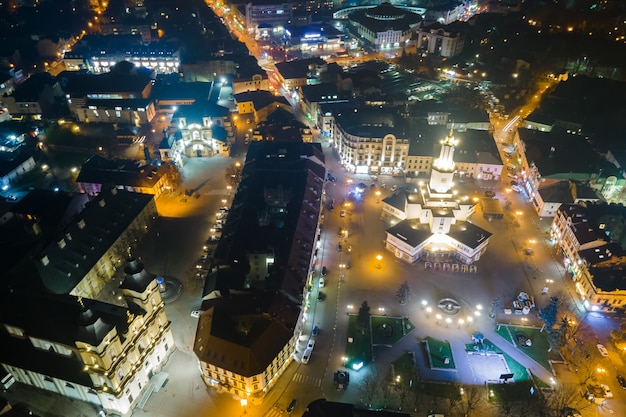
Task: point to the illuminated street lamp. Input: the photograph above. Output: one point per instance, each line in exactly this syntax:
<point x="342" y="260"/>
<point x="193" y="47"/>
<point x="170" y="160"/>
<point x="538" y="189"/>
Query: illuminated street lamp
<point x="378" y="259"/>
<point x="377" y="196"/>
<point x="244" y="403"/>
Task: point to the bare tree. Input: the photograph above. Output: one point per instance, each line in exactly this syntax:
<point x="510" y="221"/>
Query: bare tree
<point x="564" y="396"/>
<point x="474" y="399"/>
<point x="369" y="386"/>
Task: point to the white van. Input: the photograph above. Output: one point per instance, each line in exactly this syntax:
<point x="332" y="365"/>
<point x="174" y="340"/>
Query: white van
<point x="307" y="356"/>
<point x="7" y="381"/>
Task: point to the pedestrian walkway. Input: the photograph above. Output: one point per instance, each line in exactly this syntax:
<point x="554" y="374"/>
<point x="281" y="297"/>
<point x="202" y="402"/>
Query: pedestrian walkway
<point x="538" y="370"/>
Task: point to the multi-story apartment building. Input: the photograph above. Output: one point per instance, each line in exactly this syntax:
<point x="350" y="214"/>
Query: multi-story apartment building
<point x="81" y="322"/>
<point x="112" y="97"/>
<point x="591" y="240"/>
<point x="559" y="155"/>
<point x="369" y="139"/>
<point x="122" y="174"/>
<point x="98" y="54"/>
<point x="33" y="98"/>
<point x="293" y="74"/>
<point x="259" y="12"/>
<point x="263" y="268"/>
<point x="446" y="41"/>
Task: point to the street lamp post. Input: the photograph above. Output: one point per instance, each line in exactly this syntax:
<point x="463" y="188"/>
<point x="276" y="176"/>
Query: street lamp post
<point x="377" y="196"/>
<point x="378" y="259"/>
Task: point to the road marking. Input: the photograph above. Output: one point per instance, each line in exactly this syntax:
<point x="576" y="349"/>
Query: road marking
<point x="305" y="379"/>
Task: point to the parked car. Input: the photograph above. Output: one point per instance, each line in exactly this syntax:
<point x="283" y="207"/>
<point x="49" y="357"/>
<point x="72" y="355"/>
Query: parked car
<point x="306" y="357"/>
<point x="342" y="213"/>
<point x="321" y="296"/>
<point x="315" y="331"/>
<point x="394" y="188"/>
<point x="324" y="271"/>
<point x="321" y="282"/>
<point x="339" y="247"/>
<point x="311" y="344"/>
<point x="292" y="405"/>
<point x="602" y="350"/>
<point x="196" y="313"/>
<point x="620" y="379"/>
<point x="607" y="391"/>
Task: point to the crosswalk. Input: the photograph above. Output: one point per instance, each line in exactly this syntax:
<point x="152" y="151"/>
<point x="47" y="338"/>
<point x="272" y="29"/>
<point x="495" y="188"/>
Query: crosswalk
<point x="279" y="410"/>
<point x="275" y="412"/>
<point x="309" y="380"/>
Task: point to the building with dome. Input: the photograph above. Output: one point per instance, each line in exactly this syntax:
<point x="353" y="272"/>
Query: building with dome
<point x="385" y="26"/>
<point x="430" y="221"/>
<point x="83" y="318"/>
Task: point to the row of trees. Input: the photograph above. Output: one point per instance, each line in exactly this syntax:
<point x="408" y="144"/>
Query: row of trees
<point x="455" y="400"/>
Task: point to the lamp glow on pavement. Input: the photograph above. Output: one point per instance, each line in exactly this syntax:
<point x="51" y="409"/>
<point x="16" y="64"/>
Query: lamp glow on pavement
<point x="357" y="366"/>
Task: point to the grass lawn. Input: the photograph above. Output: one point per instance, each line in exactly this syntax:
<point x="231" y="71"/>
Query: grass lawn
<point x="389" y="330"/>
<point x="538" y="351"/>
<point x="517" y="391"/>
<point x="503" y="331"/>
<point x="404" y="367"/>
<point x="517" y="369"/>
<point x="360" y="350"/>
<point x="438" y="351"/>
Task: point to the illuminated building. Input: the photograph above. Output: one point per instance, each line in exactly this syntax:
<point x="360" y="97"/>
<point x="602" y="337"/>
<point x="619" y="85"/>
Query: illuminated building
<point x="590" y="240"/>
<point x="432" y="219"/>
<point x="385" y="26"/>
<point x="113" y="97"/>
<point x="263" y="266"/>
<point x="198" y="130"/>
<point x="82" y="323"/>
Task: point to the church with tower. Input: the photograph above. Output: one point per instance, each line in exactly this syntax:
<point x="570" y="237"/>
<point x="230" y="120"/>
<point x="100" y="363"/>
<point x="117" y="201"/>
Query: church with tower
<point x="430" y="220"/>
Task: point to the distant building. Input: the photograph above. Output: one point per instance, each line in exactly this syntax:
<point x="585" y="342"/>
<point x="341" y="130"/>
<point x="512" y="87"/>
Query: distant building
<point x="445" y="41"/>
<point x="256" y="82"/>
<point x="476" y="156"/>
<point x="198" y="130"/>
<point x="112" y="97"/>
<point x="14" y="165"/>
<point x="299" y="72"/>
<point x="99" y="53"/>
<point x="558" y="155"/>
<point x="260" y="12"/>
<point x="263" y="269"/>
<point x="432" y="220"/>
<point x="553" y="193"/>
<point x="98" y="172"/>
<point x="260" y="104"/>
<point x="81" y="322"/>
<point x="368" y="139"/>
<point x="34" y="98"/>
<point x="385" y="26"/>
<point x="591" y="240"/>
<point x="445" y="12"/>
